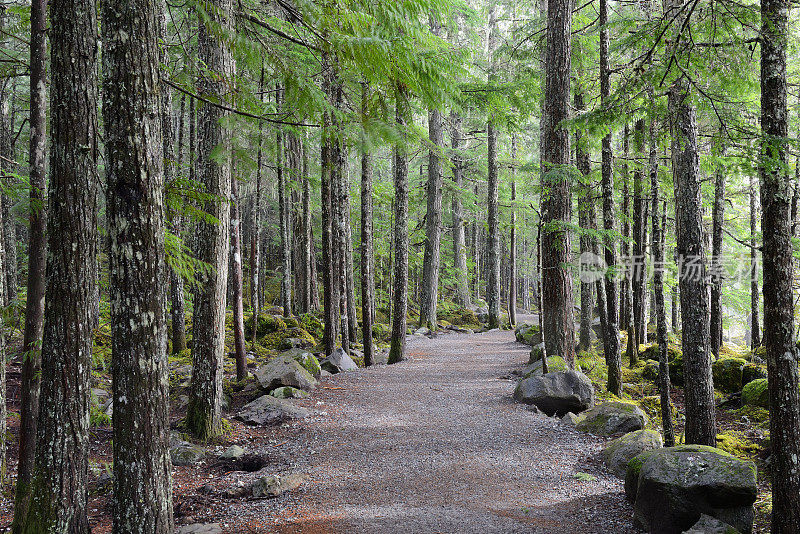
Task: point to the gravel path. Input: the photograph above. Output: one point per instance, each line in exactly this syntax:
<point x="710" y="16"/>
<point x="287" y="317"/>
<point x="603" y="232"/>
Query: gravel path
<point x="436" y="444"/>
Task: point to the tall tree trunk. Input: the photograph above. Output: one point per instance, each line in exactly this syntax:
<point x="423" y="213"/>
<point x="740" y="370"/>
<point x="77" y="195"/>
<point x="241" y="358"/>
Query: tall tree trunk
<point x="718" y="218"/>
<point x="397" y="349"/>
<point x="586" y="222"/>
<point x="612" y="353"/>
<point x="284" y="216"/>
<point x="638" y="260"/>
<point x="138" y="272"/>
<point x="493" y="223"/>
<point x="330" y="292"/>
<point x="558" y="325"/>
<point x="661" y="323"/>
<point x="779" y="340"/>
<point x="462" y="296"/>
<point x="176" y="287"/>
<point x="367" y="254"/>
<point x="307" y="237"/>
<point x="349" y="286"/>
<point x="37" y="260"/>
<point x="58" y="490"/>
<point x="699" y="390"/>
<point x="755" y="323"/>
<point x="512" y="274"/>
<point x="255" y="236"/>
<point x="204" y="414"/>
<point x="238" y="298"/>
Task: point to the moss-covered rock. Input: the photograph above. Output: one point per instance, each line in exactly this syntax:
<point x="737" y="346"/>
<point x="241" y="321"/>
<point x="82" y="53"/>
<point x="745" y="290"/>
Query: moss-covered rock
<point x="297" y="338"/>
<point x="537" y="351"/>
<point x="756" y="393"/>
<point x="650" y="370"/>
<point x="609" y="418"/>
<point x="266" y="324"/>
<point x="676" y="370"/>
<point x="752" y="371"/>
<point x="673" y="486"/>
<point x="650" y="351"/>
<point x="728" y="374"/>
<point x="651" y="405"/>
<point x="313" y="325"/>
<point x="291" y="322"/>
<point x="619" y="452"/>
<point x="288" y="392"/>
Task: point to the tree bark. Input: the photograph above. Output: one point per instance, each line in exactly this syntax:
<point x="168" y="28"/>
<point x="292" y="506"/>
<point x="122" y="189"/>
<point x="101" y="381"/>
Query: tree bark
<point x="178" y="310"/>
<point x="367" y="254"/>
<point x="204" y="414"/>
<point x="58" y="490"/>
<point x="755" y="323"/>
<point x="255" y="237"/>
<point x="512" y="274"/>
<point x="586" y="222"/>
<point x="718" y="219"/>
<point x="699" y="390"/>
<point x="661" y="323"/>
<point x="459" y="242"/>
<point x="637" y="272"/>
<point x="779" y="340"/>
<point x="284" y="218"/>
<point x="138" y="272"/>
<point x="397" y="349"/>
<point x="240" y="352"/>
<point x="37" y="260"/>
<point x="493" y="222"/>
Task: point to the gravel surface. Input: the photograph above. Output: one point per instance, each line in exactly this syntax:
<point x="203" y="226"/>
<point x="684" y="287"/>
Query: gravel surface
<point x="434" y="444"/>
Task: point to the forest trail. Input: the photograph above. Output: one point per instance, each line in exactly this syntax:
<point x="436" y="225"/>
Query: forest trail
<point x="436" y="444"/>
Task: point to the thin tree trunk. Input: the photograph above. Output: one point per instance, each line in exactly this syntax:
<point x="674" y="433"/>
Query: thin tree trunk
<point x="204" y="414"/>
<point x="779" y="340"/>
<point x="238" y="298"/>
<point x="459" y="243"/>
<point x="512" y="275"/>
<point x="661" y="324"/>
<point x="330" y="293"/>
<point x="586" y="222"/>
<point x="638" y="260"/>
<point x="284" y="217"/>
<point x="37" y="260"/>
<point x="397" y="349"/>
<point x="138" y="272"/>
<point x="718" y="219"/>
<point x="493" y="223"/>
<point x="367" y="254"/>
<point x="307" y="237"/>
<point x="349" y="282"/>
<point x="58" y="490"/>
<point x="255" y="238"/>
<point x="176" y="287"/>
<point x="755" y="323"/>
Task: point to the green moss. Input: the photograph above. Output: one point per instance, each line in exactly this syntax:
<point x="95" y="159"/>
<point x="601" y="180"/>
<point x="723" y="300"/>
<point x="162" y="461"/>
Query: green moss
<point x="728" y="374"/>
<point x="267" y="324"/>
<point x="651" y="405"/>
<point x="297" y="333"/>
<point x="756" y="393"/>
<point x="737" y="444"/>
<point x="752" y="372"/>
<point x="381" y="332"/>
<point x="97" y="417"/>
<point x="755" y="415"/>
<point x="311" y="324"/>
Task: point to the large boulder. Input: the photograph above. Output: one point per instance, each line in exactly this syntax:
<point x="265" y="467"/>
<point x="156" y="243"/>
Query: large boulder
<point x="283" y="370"/>
<point x="183" y="453"/>
<point x="756" y="393"/>
<point x="528" y="333"/>
<point x="557" y="393"/>
<point x="674" y="486"/>
<point x="728" y="374"/>
<point x="269" y="410"/>
<point x="611" y="418"/>
<point x="338" y="361"/>
<point x="619" y="452"/>
<point x="650" y="370"/>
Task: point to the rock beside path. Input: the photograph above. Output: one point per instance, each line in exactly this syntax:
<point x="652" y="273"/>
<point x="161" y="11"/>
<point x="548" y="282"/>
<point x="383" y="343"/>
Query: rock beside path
<point x="619" y="452"/>
<point x="184" y="453"/>
<point x="339" y="361"/>
<point x="269" y="486"/>
<point x="711" y="525"/>
<point x="199" y="528"/>
<point x="268" y="410"/>
<point x="284" y="370"/>
<point x="672" y="487"/>
<point x="611" y="418"/>
<point x="557" y="393"/>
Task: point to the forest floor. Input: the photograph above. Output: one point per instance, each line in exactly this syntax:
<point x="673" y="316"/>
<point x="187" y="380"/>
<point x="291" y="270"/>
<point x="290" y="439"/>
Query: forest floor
<point x="433" y="444"/>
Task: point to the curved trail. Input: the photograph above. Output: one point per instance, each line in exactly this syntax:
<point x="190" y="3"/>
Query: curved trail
<point x="436" y="444"/>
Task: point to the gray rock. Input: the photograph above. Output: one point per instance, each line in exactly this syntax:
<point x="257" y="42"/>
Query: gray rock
<point x="234" y="452"/>
<point x="99" y="397"/>
<point x="422" y="331"/>
<point x="284" y="371"/>
<point x="557" y="393"/>
<point x="673" y="486"/>
<point x="380" y="357"/>
<point x="275" y="485"/>
<point x="296" y="343"/>
<point x="619" y="452"/>
<point x="199" y="528"/>
<point x="711" y="525"/>
<point x="338" y="361"/>
<point x="611" y="418"/>
<point x="186" y="454"/>
<point x="288" y="392"/>
<point x="268" y="410"/>
<point x="569" y="419"/>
